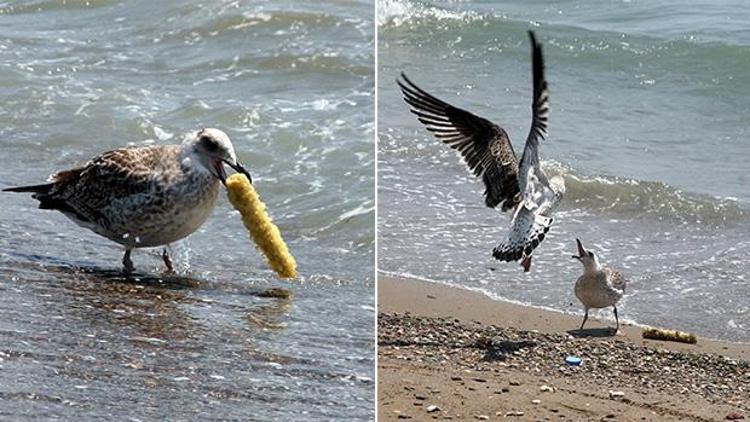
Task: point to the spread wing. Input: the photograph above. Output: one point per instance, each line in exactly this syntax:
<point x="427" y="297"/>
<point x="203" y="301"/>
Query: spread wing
<point x="484" y="146"/>
<point x="540" y="114"/>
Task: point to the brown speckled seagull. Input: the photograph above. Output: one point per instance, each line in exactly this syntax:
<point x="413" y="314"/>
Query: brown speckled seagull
<point x="143" y="196"/>
<point x="486" y="148"/>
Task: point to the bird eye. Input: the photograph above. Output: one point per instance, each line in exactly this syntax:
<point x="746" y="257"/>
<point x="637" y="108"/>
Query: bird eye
<point x="209" y="143"/>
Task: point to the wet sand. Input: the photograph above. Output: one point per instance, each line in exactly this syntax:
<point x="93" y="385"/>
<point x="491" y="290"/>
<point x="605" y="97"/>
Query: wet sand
<point x="447" y="353"/>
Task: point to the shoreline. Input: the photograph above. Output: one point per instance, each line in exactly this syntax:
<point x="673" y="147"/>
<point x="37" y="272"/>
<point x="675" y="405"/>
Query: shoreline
<point x="403" y="294"/>
<point x="476" y="358"/>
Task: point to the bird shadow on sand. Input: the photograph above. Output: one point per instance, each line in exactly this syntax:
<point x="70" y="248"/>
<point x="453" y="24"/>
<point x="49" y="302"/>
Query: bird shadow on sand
<point x="592" y="332"/>
<point x="500" y="349"/>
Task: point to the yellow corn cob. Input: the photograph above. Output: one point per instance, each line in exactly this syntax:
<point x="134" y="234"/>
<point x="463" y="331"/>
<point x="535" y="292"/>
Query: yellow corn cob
<point x="265" y="234"/>
<point x="669" y="335"/>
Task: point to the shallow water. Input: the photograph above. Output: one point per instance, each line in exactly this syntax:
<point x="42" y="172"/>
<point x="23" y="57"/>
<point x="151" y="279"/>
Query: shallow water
<point x="293" y="87"/>
<point x="648" y="123"/>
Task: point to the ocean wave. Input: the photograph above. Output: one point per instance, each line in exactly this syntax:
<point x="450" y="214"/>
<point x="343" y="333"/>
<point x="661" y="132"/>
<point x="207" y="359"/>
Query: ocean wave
<point x="395" y="13"/>
<point x="276" y="22"/>
<point x="50" y="5"/>
<point x="633" y="198"/>
<point x="607" y="196"/>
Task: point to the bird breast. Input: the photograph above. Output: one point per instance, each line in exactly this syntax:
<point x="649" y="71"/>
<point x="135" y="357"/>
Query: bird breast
<point x="170" y="212"/>
<point x="593" y="291"/>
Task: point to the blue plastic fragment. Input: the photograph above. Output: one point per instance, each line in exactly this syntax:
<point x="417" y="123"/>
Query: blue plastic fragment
<point x="573" y="360"/>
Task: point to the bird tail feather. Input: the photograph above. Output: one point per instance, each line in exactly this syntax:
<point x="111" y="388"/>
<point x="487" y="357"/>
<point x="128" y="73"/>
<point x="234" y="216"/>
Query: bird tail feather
<point x="43" y="188"/>
<point x="528" y="231"/>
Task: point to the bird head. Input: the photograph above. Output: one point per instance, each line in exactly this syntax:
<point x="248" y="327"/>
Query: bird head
<point x="213" y="149"/>
<point x="589" y="260"/>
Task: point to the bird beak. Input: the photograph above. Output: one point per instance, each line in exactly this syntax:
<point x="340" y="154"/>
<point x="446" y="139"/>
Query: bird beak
<point x="581" y="251"/>
<point x="220" y="173"/>
<point x="239" y="169"/>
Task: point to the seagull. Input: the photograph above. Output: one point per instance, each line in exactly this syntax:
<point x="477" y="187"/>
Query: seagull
<point x="143" y="196"/>
<point x="485" y="147"/>
<point x="598" y="287"/>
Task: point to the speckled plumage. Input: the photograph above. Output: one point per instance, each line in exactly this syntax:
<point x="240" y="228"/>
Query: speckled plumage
<point x="143" y="196"/>
<point x="138" y="196"/>
<point x="600" y="288"/>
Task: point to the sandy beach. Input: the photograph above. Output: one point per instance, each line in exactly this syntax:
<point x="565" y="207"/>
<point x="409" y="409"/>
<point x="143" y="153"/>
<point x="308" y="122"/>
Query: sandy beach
<point x="447" y="353"/>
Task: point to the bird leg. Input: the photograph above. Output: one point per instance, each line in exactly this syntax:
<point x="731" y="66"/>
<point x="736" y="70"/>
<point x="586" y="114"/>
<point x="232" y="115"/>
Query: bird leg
<point x="617" y="320"/>
<point x="167" y="261"/>
<point x="585" y="317"/>
<point x="526" y="263"/>
<point x="127" y="263"/>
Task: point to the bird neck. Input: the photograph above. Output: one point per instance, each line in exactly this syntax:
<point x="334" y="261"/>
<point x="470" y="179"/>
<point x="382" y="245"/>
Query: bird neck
<point x="591" y="266"/>
<point x="191" y="161"/>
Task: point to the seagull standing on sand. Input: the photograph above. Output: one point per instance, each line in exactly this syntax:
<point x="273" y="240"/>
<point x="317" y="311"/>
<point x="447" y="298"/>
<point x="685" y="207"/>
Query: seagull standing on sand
<point x="598" y="287"/>
<point x="143" y="196"/>
<point x="487" y="150"/>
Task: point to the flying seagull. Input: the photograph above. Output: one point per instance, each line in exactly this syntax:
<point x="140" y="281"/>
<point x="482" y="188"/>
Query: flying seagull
<point x="598" y="287"/>
<point x="485" y="147"/>
<point x="143" y="196"/>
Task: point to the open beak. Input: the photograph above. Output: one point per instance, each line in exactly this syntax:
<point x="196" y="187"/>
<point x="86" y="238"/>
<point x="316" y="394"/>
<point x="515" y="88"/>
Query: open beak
<point x="240" y="169"/>
<point x="581" y="251"/>
<point x="219" y="166"/>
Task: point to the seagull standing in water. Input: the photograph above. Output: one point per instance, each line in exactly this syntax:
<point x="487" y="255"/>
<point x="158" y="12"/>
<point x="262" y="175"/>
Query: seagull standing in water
<point x="598" y="287"/>
<point x="486" y="149"/>
<point x="143" y="196"/>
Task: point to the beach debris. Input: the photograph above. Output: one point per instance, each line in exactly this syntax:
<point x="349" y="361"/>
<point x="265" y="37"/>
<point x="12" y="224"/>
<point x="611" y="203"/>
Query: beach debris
<point x="669" y="335"/>
<point x="614" y="395"/>
<point x="265" y="234"/>
<point x="432" y="408"/>
<point x="734" y="416"/>
<point x="482" y="417"/>
<point x="546" y="389"/>
<point x="636" y="367"/>
<point x="536" y="401"/>
<point x="573" y="360"/>
<point x="511" y="413"/>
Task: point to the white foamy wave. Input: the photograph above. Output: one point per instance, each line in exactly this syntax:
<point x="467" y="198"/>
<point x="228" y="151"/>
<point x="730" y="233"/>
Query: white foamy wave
<point x="397" y="12"/>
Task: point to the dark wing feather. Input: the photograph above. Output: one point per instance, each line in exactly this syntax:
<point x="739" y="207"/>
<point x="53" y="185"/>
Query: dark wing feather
<point x="540" y="103"/>
<point x="540" y="114"/>
<point x="483" y="145"/>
